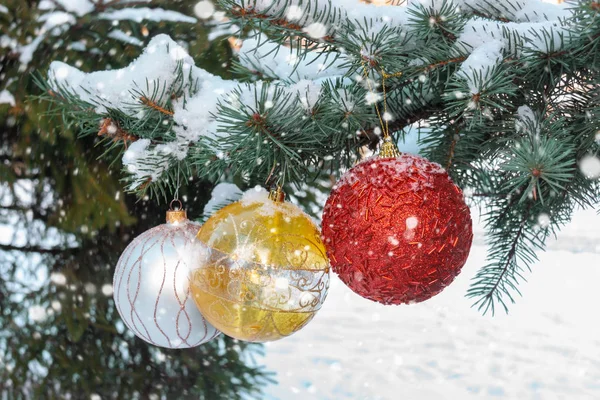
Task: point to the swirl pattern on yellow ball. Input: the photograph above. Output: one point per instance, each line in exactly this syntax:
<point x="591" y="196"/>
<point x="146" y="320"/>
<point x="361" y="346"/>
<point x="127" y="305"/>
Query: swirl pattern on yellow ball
<point x="265" y="273"/>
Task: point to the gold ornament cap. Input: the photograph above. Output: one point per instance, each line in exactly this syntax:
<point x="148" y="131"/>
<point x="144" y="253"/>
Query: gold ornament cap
<point x="389" y="149"/>
<point x="277" y="195"/>
<point x="176" y="215"/>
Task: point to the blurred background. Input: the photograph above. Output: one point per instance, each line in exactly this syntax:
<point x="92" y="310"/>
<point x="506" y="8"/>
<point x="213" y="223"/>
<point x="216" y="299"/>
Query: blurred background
<point x="64" y="221"/>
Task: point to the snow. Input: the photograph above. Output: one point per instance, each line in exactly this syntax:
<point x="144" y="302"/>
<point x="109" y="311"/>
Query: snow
<point x="316" y="30"/>
<point x="330" y="13"/>
<point x="222" y="194"/>
<point x="294" y="13"/>
<point x="135" y="151"/>
<point x="54" y="22"/>
<point x="58" y="279"/>
<point x="194" y="114"/>
<point x="37" y="313"/>
<point x="478" y="67"/>
<point x="6" y="97"/>
<point x="308" y="92"/>
<point x="78" y="7"/>
<point x="124" y="37"/>
<point x="373" y="97"/>
<point x="62" y="13"/>
<point x="412" y="222"/>
<point x="590" y="166"/>
<point x="544" y="220"/>
<point x="257" y="194"/>
<point x="220" y="30"/>
<point x="204" y="9"/>
<point x="526" y="119"/>
<point x="260" y="54"/>
<point x="546" y="348"/>
<point x="146" y="14"/>
<point x="3" y="9"/>
<point x="526" y="114"/>
<point x="107" y="289"/>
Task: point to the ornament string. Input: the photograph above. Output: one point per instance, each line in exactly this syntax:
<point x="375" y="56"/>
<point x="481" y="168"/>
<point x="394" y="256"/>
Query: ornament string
<point x="388" y="148"/>
<point x="384" y="127"/>
<point x="366" y="74"/>
<point x="178" y="185"/>
<point x="179" y="205"/>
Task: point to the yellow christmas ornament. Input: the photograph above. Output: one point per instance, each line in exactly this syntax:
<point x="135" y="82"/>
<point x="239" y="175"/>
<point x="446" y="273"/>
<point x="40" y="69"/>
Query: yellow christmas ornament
<point x="264" y="273"/>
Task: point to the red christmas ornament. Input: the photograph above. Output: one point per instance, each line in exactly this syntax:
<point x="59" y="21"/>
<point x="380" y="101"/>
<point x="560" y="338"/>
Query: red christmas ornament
<point x="397" y="230"/>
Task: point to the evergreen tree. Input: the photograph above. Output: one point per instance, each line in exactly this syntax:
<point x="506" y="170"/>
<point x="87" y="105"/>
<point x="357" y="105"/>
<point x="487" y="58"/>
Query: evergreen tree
<point x="508" y="92"/>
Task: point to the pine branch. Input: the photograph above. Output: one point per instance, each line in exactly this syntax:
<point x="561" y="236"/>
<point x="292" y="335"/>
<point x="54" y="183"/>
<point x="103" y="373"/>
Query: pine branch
<point x="38" y="249"/>
<point x="280" y="23"/>
<point x="492" y="288"/>
<point x="111" y="129"/>
<point x="147" y="102"/>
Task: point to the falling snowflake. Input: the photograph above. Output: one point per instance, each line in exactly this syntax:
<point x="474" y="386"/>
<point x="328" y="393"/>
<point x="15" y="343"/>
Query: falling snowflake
<point x="316" y="30"/>
<point x="204" y="9"/>
<point x="543" y="220"/>
<point x="58" y="279"/>
<point x="372" y="97"/>
<point x="293" y="13"/>
<point x="590" y="166"/>
<point x="107" y="289"/>
<point x="37" y="313"/>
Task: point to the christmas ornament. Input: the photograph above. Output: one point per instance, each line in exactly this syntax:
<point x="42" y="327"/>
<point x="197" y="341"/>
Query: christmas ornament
<point x="397" y="230"/>
<point x="265" y="273"/>
<point x="151" y="285"/>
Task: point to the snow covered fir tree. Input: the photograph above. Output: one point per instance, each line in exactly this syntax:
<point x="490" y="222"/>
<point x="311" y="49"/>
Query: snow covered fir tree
<point x="503" y="95"/>
<point x="109" y="109"/>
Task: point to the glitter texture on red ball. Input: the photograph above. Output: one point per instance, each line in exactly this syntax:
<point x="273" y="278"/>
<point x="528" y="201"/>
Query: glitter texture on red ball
<point x="397" y="230"/>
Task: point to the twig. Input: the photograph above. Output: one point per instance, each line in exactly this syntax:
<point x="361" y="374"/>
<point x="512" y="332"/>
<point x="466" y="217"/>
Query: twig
<point x="110" y="129"/>
<point x="147" y="102"/>
<point x="242" y="12"/>
<point x="37" y="249"/>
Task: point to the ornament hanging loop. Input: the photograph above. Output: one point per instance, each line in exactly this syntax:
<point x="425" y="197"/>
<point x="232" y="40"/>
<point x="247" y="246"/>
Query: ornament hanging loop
<point x="388" y="148"/>
<point x="176" y="215"/>
<point x="178" y="203"/>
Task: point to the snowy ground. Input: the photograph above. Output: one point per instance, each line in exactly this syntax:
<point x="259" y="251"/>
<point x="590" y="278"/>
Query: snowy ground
<point x="547" y="348"/>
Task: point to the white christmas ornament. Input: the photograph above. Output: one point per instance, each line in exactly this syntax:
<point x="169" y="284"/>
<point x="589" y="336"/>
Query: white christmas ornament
<point x="151" y="285"/>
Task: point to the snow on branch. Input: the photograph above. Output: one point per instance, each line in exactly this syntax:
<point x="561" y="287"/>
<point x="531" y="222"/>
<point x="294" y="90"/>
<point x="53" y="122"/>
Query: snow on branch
<point x="490" y="42"/>
<point x="508" y="29"/>
<point x="148" y="14"/>
<point x="317" y="19"/>
<point x="59" y="16"/>
<point x="285" y="63"/>
<point x="186" y="101"/>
